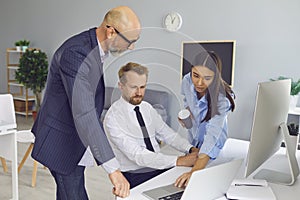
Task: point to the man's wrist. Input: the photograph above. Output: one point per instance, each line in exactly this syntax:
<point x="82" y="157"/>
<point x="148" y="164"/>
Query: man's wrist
<point x="192" y="149"/>
<point x="111" y="166"/>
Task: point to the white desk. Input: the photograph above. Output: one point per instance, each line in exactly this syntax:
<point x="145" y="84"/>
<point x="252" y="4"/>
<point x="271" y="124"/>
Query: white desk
<point x="294" y="111"/>
<point x="233" y="149"/>
<point x="8" y="150"/>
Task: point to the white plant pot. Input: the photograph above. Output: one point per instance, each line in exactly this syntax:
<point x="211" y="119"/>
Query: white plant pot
<point x="18" y="48"/>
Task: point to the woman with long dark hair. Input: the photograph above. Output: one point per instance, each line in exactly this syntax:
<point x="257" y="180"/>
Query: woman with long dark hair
<point x="209" y="99"/>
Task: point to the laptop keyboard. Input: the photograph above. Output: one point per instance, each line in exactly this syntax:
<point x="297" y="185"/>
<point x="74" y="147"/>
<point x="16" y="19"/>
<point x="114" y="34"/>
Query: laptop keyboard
<point x="175" y="196"/>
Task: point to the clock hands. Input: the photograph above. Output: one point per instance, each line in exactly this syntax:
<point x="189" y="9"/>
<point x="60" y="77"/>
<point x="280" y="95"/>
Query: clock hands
<point x="172" y="19"/>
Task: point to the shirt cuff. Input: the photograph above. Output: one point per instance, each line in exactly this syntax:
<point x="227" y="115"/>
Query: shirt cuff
<point x="188" y="148"/>
<point x="111" y="165"/>
<point x="175" y="162"/>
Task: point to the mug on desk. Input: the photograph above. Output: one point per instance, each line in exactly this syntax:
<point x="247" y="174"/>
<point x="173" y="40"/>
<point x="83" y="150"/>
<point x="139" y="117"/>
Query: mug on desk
<point x="185" y="116"/>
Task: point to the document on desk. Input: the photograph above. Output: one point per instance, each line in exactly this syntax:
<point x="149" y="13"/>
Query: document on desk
<point x="244" y="189"/>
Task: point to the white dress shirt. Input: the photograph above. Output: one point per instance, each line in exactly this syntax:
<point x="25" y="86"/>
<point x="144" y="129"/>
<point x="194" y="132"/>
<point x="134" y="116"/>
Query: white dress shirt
<point x="126" y="138"/>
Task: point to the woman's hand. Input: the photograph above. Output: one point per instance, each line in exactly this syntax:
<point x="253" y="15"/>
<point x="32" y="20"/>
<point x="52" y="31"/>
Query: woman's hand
<point x="201" y="163"/>
<point x="180" y="120"/>
<point x="183" y="180"/>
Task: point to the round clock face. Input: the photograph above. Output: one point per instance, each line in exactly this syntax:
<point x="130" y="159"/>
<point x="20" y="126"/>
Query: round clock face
<point x="173" y="21"/>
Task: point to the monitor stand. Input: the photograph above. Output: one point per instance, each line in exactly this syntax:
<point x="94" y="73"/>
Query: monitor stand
<point x="291" y="143"/>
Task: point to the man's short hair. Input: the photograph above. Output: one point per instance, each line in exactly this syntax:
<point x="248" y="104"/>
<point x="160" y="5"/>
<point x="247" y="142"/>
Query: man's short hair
<point x="139" y="69"/>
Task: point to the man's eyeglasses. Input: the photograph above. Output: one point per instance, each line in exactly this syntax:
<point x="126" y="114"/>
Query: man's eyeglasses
<point x="130" y="42"/>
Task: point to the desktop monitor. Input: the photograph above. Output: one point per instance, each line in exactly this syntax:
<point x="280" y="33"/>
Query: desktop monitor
<point x="269" y="129"/>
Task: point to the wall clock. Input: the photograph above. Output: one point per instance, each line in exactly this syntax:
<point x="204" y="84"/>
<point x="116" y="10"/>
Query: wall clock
<point x="172" y="21"/>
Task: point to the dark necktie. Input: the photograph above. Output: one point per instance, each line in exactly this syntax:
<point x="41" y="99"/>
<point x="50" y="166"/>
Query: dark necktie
<point x="144" y="129"/>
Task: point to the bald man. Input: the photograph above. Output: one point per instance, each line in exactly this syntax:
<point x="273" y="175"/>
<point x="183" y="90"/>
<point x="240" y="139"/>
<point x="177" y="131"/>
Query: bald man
<point x="68" y="133"/>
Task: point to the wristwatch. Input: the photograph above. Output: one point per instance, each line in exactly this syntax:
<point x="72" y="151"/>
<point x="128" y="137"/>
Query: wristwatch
<point x="191" y="150"/>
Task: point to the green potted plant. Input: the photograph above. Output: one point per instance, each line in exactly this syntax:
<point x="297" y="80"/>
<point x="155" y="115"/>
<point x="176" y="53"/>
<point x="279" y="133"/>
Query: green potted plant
<point x="18" y="45"/>
<point x="295" y="87"/>
<point x="32" y="72"/>
<point x="24" y="44"/>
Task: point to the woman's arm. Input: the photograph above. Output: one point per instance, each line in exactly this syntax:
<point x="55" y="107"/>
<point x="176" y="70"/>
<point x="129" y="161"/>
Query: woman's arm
<point x="199" y="164"/>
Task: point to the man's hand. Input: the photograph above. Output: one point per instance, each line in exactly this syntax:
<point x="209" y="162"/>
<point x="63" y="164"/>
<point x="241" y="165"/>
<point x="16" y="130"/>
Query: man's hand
<point x="187" y="160"/>
<point x="121" y="185"/>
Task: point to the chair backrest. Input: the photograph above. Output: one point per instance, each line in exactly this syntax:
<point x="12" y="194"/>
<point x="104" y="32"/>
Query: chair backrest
<point x="7" y="112"/>
<point x="158" y="99"/>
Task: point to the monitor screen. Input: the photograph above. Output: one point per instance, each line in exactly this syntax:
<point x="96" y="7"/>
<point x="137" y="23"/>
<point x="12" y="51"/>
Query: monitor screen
<point x="269" y="129"/>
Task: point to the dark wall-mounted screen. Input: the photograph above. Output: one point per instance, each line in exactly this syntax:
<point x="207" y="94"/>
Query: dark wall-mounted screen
<point x="225" y="50"/>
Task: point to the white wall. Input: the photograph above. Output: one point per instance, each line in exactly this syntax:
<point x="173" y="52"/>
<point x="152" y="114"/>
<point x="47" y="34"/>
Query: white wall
<point x="266" y="33"/>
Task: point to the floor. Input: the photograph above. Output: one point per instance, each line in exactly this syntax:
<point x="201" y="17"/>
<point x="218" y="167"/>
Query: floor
<point x="97" y="181"/>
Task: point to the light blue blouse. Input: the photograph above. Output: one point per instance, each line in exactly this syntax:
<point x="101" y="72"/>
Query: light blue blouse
<point x="209" y="136"/>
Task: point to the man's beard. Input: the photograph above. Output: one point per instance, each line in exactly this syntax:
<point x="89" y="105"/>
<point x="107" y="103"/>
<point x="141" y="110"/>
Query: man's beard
<point x="136" y="100"/>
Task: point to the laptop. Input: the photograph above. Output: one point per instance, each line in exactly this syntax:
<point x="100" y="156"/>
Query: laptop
<point x="209" y="183"/>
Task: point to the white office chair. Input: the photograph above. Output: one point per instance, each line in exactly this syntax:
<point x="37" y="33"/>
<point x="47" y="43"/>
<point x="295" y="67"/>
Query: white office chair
<point x="7" y="115"/>
<point x="26" y="136"/>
